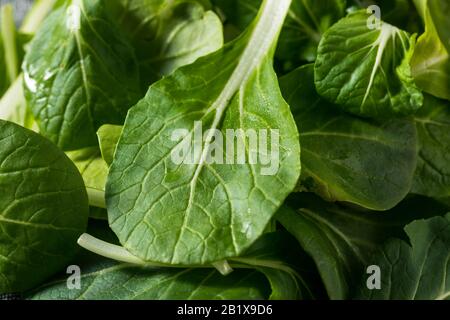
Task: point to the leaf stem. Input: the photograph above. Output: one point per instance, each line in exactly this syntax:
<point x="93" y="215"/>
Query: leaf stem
<point x="118" y="253"/>
<point x="108" y="250"/>
<point x="8" y="34"/>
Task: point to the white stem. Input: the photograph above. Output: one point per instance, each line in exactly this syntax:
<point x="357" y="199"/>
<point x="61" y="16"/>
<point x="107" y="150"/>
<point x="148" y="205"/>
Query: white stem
<point x="108" y="250"/>
<point x="223" y="267"/>
<point x="118" y="253"/>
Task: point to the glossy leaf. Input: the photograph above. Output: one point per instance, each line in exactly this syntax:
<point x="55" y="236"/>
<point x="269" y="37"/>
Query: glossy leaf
<point x="108" y="137"/>
<point x="366" y="71"/>
<point x="305" y="24"/>
<point x="13" y="106"/>
<point x="291" y="273"/>
<point x="168" y="34"/>
<point x="345" y="158"/>
<point x="415" y="271"/>
<point x="276" y="279"/>
<point x="431" y="61"/>
<point x="92" y="167"/>
<point x="341" y="240"/>
<point x="79" y="73"/>
<point x="205" y="212"/>
<point x="126" y="282"/>
<point x="43" y="209"/>
<point x="432" y="176"/>
<point x="440" y="11"/>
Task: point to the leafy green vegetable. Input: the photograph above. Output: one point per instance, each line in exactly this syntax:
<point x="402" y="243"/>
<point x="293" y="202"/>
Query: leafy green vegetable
<point x="366" y="72"/>
<point x="43" y="208"/>
<point x="204" y="212"/>
<point x="108" y="280"/>
<point x="418" y="271"/>
<point x="289" y="270"/>
<point x="345" y="158"/>
<point x="75" y="79"/>
<point x="108" y="137"/>
<point x="168" y="34"/>
<point x="432" y="176"/>
<point x="341" y="240"/>
<point x="439" y="11"/>
<point x="305" y="24"/>
<point x="199" y="189"/>
<point x="94" y="171"/>
<point x="400" y="13"/>
<point x="431" y="61"/>
<point x="123" y="281"/>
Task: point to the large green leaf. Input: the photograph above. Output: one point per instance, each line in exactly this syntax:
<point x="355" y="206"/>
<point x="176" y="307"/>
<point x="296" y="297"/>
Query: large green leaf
<point x="269" y="257"/>
<point x="345" y="158"/>
<point x="416" y="271"/>
<point x="431" y="61"/>
<point x="400" y="13"/>
<point x="341" y="240"/>
<point x="43" y="208"/>
<point x="440" y="11"/>
<point x="290" y="271"/>
<point x="80" y="73"/>
<point x="126" y="282"/>
<point x="206" y="212"/>
<point x="366" y="72"/>
<point x="168" y="34"/>
<point x="305" y="24"/>
<point x="432" y="176"/>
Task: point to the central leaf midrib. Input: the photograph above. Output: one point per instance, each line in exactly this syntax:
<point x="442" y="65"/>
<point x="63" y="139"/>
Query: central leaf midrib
<point x="261" y="39"/>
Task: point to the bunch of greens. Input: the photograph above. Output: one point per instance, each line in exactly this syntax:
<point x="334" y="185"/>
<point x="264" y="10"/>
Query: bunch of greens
<point x="92" y="90"/>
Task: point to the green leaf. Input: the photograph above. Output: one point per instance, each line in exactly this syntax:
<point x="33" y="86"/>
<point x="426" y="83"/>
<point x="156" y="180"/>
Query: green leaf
<point x="305" y="24"/>
<point x="431" y="61"/>
<point x="13" y="106"/>
<point x="345" y="158"/>
<point x="291" y="273"/>
<point x="126" y="282"/>
<point x="108" y="137"/>
<point x="80" y="73"/>
<point x="341" y="240"/>
<point x="366" y="72"/>
<point x="94" y="171"/>
<point x="168" y="34"/>
<point x="205" y="212"/>
<point x="287" y="275"/>
<point x="432" y="176"/>
<point x="400" y="13"/>
<point x="418" y="271"/>
<point x="43" y="209"/>
<point x="91" y="166"/>
<point x="439" y="11"/>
